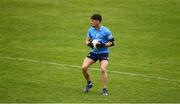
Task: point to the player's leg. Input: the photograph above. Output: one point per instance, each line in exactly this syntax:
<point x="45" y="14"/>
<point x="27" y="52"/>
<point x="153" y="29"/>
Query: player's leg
<point x="104" y="64"/>
<point x="87" y="62"/>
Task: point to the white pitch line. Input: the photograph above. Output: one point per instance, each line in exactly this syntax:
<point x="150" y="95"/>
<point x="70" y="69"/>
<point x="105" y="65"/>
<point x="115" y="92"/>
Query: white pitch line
<point x="75" y="66"/>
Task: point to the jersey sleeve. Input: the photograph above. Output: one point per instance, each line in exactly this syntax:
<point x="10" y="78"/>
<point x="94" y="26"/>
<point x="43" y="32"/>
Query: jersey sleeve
<point x="89" y="34"/>
<point x="109" y="35"/>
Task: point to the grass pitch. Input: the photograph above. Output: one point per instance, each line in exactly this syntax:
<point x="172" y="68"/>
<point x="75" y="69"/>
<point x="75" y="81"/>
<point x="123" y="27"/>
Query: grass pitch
<point x="144" y="64"/>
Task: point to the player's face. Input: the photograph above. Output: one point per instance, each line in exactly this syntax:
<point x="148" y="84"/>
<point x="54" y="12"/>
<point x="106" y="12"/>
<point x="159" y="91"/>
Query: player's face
<point x="95" y="22"/>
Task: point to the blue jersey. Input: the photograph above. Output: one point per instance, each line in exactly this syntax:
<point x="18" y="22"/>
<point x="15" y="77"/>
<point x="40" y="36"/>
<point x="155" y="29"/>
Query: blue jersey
<point x="103" y="35"/>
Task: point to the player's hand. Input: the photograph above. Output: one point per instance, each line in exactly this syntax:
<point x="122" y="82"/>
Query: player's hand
<point x="100" y="45"/>
<point x="90" y="44"/>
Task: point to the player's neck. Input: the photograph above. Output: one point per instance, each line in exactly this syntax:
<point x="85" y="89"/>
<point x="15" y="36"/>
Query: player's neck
<point x="97" y="27"/>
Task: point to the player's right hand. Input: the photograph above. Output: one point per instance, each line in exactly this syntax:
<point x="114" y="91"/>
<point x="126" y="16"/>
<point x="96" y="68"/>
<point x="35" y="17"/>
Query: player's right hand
<point x="90" y="44"/>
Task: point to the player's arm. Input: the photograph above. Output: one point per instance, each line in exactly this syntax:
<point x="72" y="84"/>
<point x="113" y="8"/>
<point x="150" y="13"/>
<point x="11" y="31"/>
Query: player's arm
<point x="110" y="43"/>
<point x="88" y="42"/>
<point x="110" y="39"/>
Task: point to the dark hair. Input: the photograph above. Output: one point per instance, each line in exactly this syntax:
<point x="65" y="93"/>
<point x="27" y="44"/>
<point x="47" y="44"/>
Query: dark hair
<point x="96" y="17"/>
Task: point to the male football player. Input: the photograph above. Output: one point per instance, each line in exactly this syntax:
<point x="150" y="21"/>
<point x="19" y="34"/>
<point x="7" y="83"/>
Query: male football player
<point x="99" y="51"/>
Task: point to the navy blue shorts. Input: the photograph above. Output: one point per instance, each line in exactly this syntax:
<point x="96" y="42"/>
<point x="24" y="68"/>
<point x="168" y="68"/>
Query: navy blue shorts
<point x="100" y="57"/>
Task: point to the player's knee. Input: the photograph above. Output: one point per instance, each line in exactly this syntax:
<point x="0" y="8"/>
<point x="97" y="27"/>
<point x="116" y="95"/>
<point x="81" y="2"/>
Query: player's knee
<point x="84" y="68"/>
<point x="103" y="70"/>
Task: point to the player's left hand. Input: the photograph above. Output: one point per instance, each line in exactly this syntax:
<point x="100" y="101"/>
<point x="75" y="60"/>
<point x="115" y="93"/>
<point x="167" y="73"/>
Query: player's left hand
<point x="100" y="45"/>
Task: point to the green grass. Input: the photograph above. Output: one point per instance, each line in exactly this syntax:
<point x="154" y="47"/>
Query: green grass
<point x="147" y="42"/>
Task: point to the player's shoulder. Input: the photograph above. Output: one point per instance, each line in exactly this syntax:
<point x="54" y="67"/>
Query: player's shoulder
<point x="105" y="28"/>
<point x="90" y="29"/>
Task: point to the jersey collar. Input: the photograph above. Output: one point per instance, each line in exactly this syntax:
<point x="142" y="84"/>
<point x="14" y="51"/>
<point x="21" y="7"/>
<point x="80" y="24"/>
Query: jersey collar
<point x="99" y="28"/>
